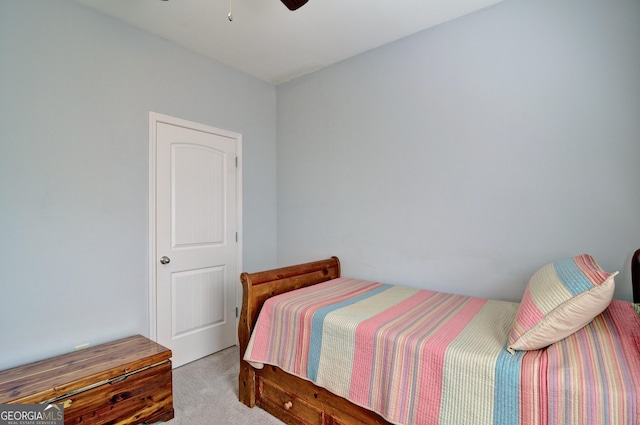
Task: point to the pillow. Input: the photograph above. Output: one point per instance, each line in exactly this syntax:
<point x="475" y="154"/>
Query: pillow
<point x="560" y="298"/>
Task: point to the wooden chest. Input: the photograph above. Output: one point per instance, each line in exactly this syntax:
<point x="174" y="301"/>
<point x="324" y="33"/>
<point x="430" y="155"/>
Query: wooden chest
<point x="127" y="381"/>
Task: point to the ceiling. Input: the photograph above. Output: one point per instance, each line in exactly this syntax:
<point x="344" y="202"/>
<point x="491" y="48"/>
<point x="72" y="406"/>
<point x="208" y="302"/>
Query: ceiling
<point x="274" y="44"/>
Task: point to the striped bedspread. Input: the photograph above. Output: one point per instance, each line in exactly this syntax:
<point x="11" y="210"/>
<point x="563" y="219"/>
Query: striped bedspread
<point x="423" y="357"/>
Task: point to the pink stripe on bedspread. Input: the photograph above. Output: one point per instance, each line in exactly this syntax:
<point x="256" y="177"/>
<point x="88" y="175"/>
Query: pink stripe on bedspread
<point x="533" y="384"/>
<point x="386" y="369"/>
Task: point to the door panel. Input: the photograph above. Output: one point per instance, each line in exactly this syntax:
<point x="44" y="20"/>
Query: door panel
<point x="197" y="300"/>
<point x="196" y="231"/>
<point x="199" y="198"/>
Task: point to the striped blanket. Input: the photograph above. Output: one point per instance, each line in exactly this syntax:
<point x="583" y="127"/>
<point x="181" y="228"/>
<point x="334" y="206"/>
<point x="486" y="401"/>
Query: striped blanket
<point x="423" y="357"/>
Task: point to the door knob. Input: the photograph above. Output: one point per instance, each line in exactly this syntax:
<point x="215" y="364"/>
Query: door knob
<point x="165" y="260"/>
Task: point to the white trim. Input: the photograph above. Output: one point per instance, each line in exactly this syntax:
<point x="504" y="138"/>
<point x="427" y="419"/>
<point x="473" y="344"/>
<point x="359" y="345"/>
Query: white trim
<point x="239" y="229"/>
<point x="151" y="248"/>
<point x="154" y="119"/>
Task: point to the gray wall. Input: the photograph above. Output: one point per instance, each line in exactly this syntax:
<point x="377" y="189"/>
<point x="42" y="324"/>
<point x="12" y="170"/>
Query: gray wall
<point x="465" y="157"/>
<point x="76" y="88"/>
<point x="459" y="159"/>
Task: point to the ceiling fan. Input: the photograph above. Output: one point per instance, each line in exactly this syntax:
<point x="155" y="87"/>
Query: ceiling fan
<point x="294" y="4"/>
<point x="291" y="4"/>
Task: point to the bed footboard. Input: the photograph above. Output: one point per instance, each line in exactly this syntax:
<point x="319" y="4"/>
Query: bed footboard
<point x="256" y="289"/>
<point x="291" y="399"/>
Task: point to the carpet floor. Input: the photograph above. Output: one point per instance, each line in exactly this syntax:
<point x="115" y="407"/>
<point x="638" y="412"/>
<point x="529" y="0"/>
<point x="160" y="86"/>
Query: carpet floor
<point x="205" y="392"/>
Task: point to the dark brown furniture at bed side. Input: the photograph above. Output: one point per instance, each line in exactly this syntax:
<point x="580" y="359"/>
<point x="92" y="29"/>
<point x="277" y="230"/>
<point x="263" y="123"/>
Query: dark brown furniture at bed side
<point x="635" y="276"/>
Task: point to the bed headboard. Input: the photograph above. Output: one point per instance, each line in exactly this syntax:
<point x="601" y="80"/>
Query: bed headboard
<point x="635" y="276"/>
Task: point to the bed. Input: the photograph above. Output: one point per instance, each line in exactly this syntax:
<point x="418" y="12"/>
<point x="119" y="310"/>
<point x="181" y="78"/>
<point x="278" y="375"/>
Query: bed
<point x="319" y="348"/>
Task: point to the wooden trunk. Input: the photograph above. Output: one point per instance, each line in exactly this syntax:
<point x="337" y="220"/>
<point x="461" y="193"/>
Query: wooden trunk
<point x="127" y="381"/>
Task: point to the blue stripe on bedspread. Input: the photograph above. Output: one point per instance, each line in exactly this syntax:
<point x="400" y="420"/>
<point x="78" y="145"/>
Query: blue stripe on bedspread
<point x="506" y="401"/>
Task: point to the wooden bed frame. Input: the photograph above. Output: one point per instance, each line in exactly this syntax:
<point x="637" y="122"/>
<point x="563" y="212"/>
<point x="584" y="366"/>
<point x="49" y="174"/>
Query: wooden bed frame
<point x="291" y="399"/>
<point x="635" y="276"/>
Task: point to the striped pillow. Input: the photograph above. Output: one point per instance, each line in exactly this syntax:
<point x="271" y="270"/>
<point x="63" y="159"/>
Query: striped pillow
<point x="560" y="298"/>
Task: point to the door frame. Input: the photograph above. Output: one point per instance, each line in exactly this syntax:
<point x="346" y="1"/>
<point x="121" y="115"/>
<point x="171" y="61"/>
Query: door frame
<point x="154" y="119"/>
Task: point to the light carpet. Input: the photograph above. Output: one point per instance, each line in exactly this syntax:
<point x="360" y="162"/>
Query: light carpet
<point x="205" y="392"/>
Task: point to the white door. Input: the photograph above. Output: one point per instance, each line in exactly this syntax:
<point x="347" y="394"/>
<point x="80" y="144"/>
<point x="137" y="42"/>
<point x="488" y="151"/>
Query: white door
<point x="196" y="268"/>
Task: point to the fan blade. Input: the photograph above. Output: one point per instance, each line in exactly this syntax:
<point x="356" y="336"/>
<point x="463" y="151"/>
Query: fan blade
<point x="294" y="4"/>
